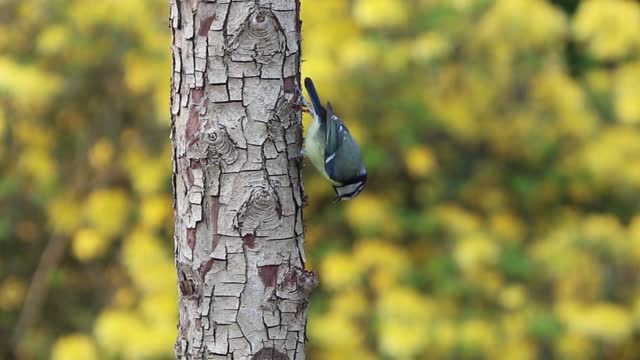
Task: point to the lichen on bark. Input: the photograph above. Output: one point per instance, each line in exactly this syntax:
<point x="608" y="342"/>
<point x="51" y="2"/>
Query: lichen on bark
<point x="236" y="138"/>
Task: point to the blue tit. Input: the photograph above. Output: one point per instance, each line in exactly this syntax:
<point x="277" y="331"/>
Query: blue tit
<point x="332" y="150"/>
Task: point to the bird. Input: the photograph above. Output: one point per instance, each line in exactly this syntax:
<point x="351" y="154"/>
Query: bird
<point x="332" y="150"/>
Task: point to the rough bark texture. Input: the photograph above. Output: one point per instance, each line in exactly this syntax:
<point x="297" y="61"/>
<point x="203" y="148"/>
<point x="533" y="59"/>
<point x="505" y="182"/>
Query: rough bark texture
<point x="237" y="136"/>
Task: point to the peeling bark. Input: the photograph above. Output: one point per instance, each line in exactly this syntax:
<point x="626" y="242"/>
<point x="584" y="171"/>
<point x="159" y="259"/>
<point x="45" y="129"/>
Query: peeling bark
<point x="236" y="138"/>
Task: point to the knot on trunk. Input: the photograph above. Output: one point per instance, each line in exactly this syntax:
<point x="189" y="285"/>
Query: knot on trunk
<point x="269" y="354"/>
<point x="262" y="210"/>
<point x="258" y="38"/>
<point x="213" y="143"/>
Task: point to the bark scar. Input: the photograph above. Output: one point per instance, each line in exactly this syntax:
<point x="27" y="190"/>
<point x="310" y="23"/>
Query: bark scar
<point x="249" y="240"/>
<point x="268" y="275"/>
<point x="188" y="282"/>
<point x="205" y="25"/>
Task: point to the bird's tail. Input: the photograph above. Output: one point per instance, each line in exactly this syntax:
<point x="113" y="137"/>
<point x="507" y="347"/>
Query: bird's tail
<point x="315" y="99"/>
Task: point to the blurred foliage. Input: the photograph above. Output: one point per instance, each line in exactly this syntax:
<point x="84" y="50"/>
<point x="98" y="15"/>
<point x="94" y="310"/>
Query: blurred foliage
<point x="500" y="219"/>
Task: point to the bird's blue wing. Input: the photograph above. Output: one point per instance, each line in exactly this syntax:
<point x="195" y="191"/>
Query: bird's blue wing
<point x="335" y="137"/>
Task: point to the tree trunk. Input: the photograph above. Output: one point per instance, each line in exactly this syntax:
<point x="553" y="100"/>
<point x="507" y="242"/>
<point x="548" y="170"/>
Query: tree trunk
<point x="236" y="135"/>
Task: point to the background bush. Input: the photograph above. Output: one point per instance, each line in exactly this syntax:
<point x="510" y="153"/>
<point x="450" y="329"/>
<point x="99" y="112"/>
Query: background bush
<point x="501" y="216"/>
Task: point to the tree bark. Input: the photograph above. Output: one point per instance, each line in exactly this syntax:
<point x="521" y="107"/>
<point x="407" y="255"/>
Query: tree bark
<point x="236" y="135"/>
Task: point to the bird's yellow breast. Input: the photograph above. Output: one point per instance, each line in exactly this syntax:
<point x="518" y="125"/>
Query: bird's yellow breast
<point x="314" y="148"/>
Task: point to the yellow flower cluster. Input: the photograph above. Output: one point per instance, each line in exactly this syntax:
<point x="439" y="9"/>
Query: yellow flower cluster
<point x="89" y="244"/>
<point x="609" y="28"/>
<point x="132" y="336"/>
<point x="626" y="92"/>
<point x="601" y="321"/>
<point x="530" y="24"/>
<point x="380" y="13"/>
<point x="420" y="161"/>
<point x="611" y="158"/>
<point x="27" y="85"/>
<point x="75" y="346"/>
<point x="404" y="317"/>
<point x="107" y="210"/>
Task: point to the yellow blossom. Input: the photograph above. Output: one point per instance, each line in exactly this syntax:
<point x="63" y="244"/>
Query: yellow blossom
<point x="89" y="244"/>
<point x="380" y="13"/>
<point x="101" y="154"/>
<point x="475" y="251"/>
<point x="367" y="212"/>
<point x="404" y="315"/>
<point x="156" y="341"/>
<point x="478" y="336"/>
<point x="507" y="227"/>
<point x="523" y="23"/>
<point x="160" y="309"/>
<point x="381" y="280"/>
<point x="38" y="165"/>
<point x="420" y="161"/>
<point x="322" y="71"/>
<point x="574" y="347"/>
<point x="340" y="271"/>
<point x="149" y="175"/>
<point x="53" y="39"/>
<point x="599" y="80"/>
<point x="33" y="134"/>
<point x="73" y="347"/>
<point x="604" y="321"/>
<point x="429" y="46"/>
<point x="87" y="16"/>
<point x="323" y="11"/>
<point x="401" y="341"/>
<point x="627" y="93"/>
<point x="139" y="74"/>
<point x="334" y="330"/>
<point x="358" y="53"/>
<point x="114" y="329"/>
<point x="444" y="337"/>
<point x="405" y="304"/>
<point x="565" y="99"/>
<point x="516" y="350"/>
<point x="156" y="210"/>
<point x="513" y="297"/>
<point x="604" y="231"/>
<point x="359" y="353"/>
<point x="396" y="58"/>
<point x="516" y="324"/>
<point x="27" y="84"/>
<point x="350" y="304"/>
<point x="611" y="156"/>
<point x="609" y="28"/>
<point x="64" y="213"/>
<point x="147" y="262"/>
<point x="107" y="210"/>
<point x="457" y="220"/>
<point x="381" y="254"/>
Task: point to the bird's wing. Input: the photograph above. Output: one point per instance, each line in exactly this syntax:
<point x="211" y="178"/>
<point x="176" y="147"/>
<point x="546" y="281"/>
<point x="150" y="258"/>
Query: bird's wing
<point x="335" y="137"/>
